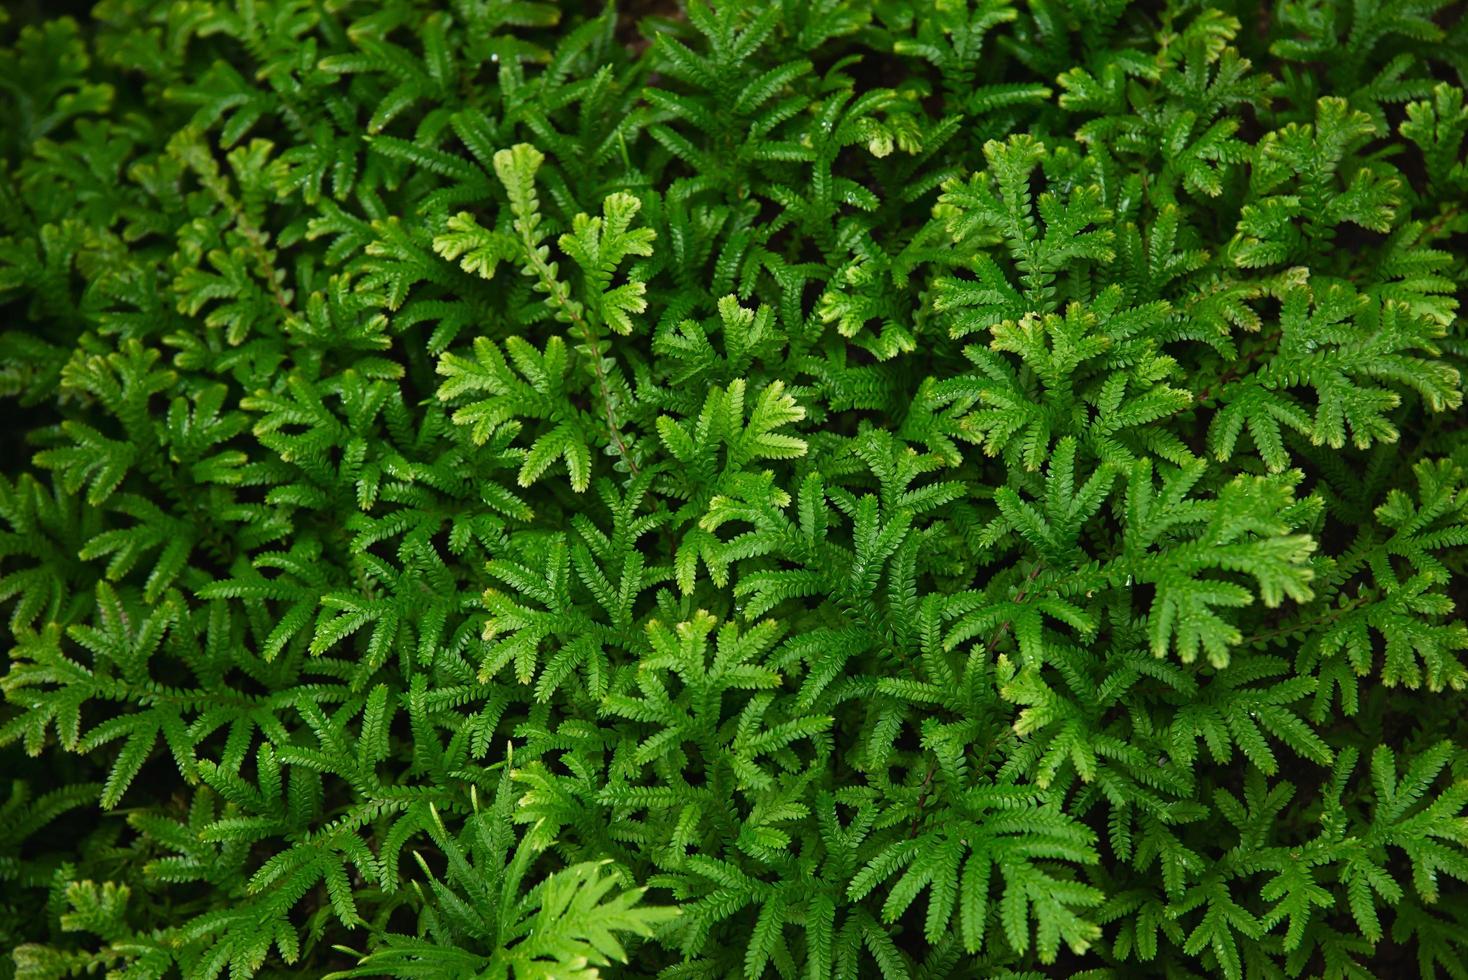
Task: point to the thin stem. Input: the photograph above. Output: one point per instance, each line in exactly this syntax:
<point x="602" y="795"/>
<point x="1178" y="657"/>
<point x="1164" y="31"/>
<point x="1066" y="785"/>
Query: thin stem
<point x="571" y="309"/>
<point x="1234" y="371"/>
<point x="989" y="648"/>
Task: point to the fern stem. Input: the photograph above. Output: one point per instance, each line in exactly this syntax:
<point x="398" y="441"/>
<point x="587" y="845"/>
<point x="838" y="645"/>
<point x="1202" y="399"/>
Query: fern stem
<point x="1236" y="369"/>
<point x="994" y="641"/>
<point x="571" y="310"/>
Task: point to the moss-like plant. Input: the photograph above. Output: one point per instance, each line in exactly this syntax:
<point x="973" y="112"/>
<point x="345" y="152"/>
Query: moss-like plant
<point x="800" y="488"/>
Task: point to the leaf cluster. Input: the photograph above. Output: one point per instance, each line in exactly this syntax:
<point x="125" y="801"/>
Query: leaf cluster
<point x="798" y="488"/>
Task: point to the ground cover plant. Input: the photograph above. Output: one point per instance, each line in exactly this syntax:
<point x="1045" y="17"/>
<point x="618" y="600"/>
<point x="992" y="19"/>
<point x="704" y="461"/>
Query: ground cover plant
<point x="799" y="488"/>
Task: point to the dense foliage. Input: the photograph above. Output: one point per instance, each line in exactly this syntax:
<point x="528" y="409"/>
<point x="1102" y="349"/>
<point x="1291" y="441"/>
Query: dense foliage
<point x="801" y="488"/>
